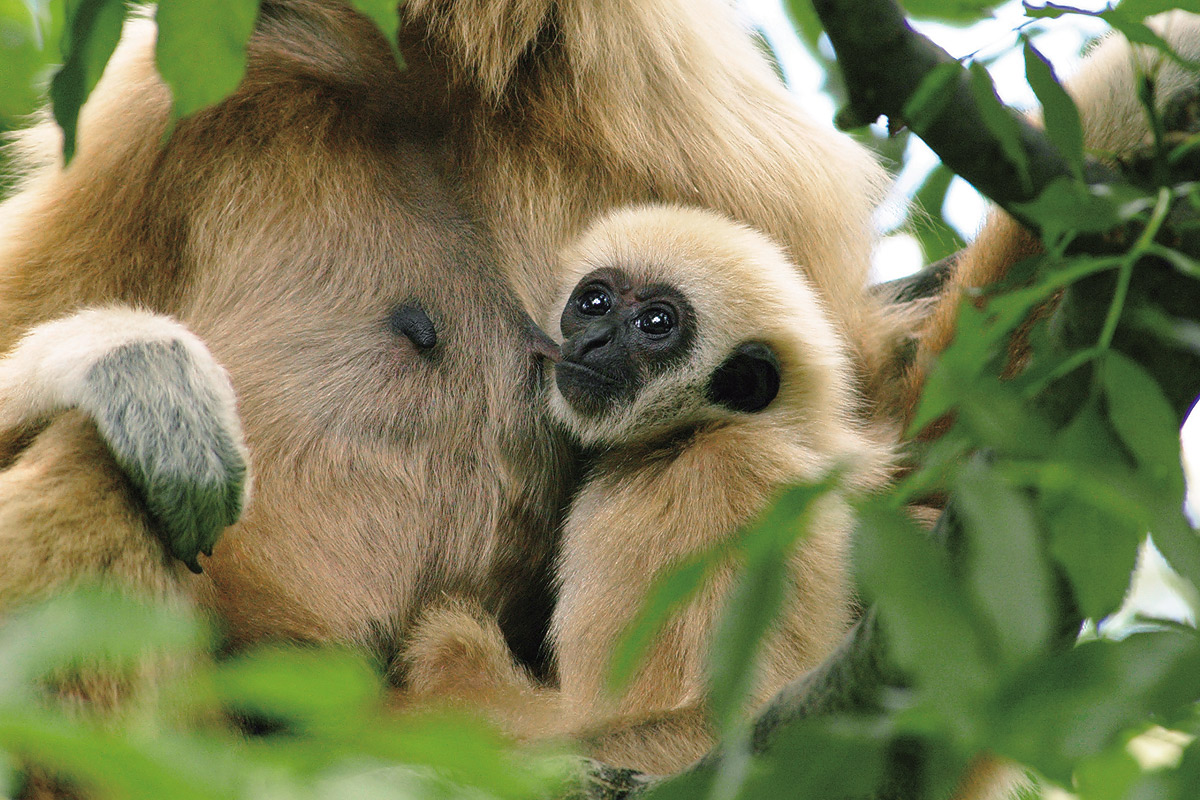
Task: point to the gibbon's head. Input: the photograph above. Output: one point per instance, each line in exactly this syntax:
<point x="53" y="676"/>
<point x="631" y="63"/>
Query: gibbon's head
<point x="677" y="317"/>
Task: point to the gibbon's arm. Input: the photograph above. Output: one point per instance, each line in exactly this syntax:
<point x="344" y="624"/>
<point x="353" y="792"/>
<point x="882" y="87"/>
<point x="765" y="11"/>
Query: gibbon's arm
<point x="163" y="406"/>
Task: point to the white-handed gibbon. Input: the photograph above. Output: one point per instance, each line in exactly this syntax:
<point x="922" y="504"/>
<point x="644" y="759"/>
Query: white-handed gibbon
<point x="304" y="226"/>
<point x="359" y="248"/>
<point x="702" y="370"/>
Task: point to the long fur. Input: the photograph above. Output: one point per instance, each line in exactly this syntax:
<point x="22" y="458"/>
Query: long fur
<point x="281" y="225"/>
<point x="160" y="402"/>
<point x="649" y="502"/>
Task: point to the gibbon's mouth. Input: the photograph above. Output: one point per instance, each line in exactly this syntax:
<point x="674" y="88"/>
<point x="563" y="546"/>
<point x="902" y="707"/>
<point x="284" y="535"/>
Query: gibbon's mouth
<point x="591" y="392"/>
<point x="584" y="372"/>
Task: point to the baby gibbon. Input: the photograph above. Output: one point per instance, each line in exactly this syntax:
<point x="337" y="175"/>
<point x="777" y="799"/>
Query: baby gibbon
<point x="702" y="371"/>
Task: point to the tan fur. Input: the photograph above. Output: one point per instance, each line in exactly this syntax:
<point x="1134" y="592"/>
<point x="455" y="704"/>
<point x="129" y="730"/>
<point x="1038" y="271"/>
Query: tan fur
<point x="68" y="516"/>
<point x="651" y="499"/>
<point x="281" y="224"/>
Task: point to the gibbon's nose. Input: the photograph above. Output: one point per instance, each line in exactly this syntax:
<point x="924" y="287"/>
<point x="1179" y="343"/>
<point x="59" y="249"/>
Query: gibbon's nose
<point x="594" y="337"/>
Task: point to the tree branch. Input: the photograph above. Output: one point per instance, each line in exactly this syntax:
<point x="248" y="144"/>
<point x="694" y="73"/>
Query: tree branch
<point x="883" y="61"/>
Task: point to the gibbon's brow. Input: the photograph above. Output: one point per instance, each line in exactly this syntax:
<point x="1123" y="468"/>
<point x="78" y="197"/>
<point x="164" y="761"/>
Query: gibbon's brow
<point x="613" y="277"/>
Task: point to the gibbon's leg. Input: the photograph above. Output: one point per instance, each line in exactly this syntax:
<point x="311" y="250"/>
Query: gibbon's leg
<point x="456" y="654"/>
<point x="162" y="406"/>
<point x="69" y="512"/>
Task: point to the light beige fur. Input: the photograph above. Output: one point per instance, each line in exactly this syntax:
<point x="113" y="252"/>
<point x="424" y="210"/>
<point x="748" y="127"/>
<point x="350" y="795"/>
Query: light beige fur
<point x="281" y="225"/>
<point x="48" y="370"/>
<point x="652" y="498"/>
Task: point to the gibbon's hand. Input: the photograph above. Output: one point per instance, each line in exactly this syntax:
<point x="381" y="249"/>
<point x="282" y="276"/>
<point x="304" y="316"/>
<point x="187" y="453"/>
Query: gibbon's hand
<point x="161" y="402"/>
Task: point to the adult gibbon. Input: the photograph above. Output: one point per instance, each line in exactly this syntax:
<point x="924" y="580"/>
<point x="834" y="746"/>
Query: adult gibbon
<point x="297" y="225"/>
<point x="702" y="369"/>
<point x="359" y="247"/>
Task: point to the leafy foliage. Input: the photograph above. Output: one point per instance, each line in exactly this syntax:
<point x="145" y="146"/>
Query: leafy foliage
<point x="1058" y="471"/>
<point x="336" y="737"/>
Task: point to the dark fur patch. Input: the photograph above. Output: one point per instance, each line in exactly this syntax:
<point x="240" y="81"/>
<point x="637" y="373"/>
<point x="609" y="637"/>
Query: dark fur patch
<point x="747" y="381"/>
<point x="166" y="430"/>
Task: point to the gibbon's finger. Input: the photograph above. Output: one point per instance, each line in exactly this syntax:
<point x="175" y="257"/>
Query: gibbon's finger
<point x="163" y="405"/>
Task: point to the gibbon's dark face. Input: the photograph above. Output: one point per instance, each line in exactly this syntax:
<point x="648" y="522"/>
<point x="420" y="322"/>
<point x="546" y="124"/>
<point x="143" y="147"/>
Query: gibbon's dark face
<point x="620" y="333"/>
<point x="617" y="335"/>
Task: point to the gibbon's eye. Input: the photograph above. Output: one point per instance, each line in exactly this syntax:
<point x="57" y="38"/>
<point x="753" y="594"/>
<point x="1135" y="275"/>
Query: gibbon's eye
<point x="594" y="302"/>
<point x="655" y="321"/>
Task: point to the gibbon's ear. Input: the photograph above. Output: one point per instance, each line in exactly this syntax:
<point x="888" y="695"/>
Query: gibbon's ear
<point x="747" y="381"/>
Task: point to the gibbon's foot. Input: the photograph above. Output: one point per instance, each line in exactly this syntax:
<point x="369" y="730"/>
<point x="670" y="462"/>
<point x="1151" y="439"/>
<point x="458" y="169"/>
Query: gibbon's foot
<point x="456" y="654"/>
<point x="456" y="651"/>
<point x="161" y="403"/>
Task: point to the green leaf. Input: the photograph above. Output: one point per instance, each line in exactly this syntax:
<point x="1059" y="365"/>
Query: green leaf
<point x="1054" y="10"/>
<point x="8" y="776"/>
<point x="1183" y="334"/>
<point x="1068" y="206"/>
<point x="1097" y="552"/>
<point x="93" y="30"/>
<point x="950" y="380"/>
<point x="1060" y="116"/>
<point x="1108" y="775"/>
<point x="1188" y="774"/>
<point x="1140" y="9"/>
<point x="933" y="633"/>
<point x="1085" y="700"/>
<point x="317" y="688"/>
<point x="952" y="10"/>
<point x="458" y="748"/>
<point x="1000" y="121"/>
<point x="25" y="59"/>
<point x="759" y="594"/>
<point x="998" y="418"/>
<point x="1009" y="310"/>
<point x="853" y="754"/>
<point x="1183" y="263"/>
<point x="386" y="16"/>
<point x="938" y="239"/>
<point x="1142" y="417"/>
<point x="117" y="763"/>
<point x="88" y="625"/>
<point x="1006" y="570"/>
<point x="805" y="20"/>
<point x="201" y="49"/>
<point x="1095" y="530"/>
